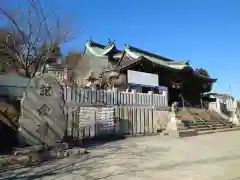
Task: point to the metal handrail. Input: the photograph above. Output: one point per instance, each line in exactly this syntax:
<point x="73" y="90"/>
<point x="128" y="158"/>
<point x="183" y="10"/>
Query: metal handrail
<point x="215" y="116"/>
<point x="196" y="115"/>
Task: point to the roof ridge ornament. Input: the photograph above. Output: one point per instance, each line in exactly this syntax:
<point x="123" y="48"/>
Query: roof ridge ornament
<point x="109" y="40"/>
<point x="110" y="43"/>
<point x="89" y="42"/>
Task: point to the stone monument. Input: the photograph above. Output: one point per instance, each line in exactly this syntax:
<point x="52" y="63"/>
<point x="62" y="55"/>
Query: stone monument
<point x="42" y="119"/>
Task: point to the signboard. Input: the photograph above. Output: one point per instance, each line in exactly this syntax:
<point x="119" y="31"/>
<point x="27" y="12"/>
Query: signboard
<point x="105" y="118"/>
<point x="142" y="78"/>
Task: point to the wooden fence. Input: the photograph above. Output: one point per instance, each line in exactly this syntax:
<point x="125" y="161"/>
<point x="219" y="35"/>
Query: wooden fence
<point x="83" y="96"/>
<point x="90" y="122"/>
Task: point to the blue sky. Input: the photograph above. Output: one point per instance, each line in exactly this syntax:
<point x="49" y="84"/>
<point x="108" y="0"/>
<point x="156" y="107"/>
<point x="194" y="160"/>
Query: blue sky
<point x="205" y="32"/>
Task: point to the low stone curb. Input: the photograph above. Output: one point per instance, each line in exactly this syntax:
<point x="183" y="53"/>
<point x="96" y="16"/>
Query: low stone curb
<point x="219" y="130"/>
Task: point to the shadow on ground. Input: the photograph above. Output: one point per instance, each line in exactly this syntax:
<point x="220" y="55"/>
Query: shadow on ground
<point x="94" y="142"/>
<point x="94" y="163"/>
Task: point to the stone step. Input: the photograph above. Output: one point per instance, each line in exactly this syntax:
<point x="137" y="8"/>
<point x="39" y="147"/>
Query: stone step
<point x="218" y="130"/>
<point x="203" y="129"/>
<point x="221" y="127"/>
<point x="206" y="127"/>
<point x="212" y="120"/>
<point x="194" y="132"/>
<point x="201" y="123"/>
<point x="191" y="122"/>
<point x="210" y="123"/>
<point x="197" y="126"/>
<point x="219" y="124"/>
<point x="197" y="120"/>
<point x="184" y="133"/>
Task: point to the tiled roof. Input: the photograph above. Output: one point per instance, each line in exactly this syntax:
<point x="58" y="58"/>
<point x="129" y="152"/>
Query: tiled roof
<point x="135" y="55"/>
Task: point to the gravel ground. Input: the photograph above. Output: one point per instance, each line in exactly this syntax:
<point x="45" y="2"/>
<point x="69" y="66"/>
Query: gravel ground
<point x="206" y="157"/>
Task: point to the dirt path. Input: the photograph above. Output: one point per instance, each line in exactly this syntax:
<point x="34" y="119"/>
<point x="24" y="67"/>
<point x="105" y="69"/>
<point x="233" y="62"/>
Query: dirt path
<point x="210" y="157"/>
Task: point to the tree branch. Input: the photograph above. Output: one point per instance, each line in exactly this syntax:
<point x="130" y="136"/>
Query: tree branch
<point x="30" y="34"/>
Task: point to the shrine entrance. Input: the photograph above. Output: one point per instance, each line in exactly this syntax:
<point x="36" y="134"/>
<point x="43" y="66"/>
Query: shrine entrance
<point x="174" y="95"/>
<point x="175" y="92"/>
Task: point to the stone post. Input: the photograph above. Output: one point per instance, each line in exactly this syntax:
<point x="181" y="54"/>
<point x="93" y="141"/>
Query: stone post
<point x="134" y="94"/>
<point x="165" y="95"/>
<point x="114" y="89"/>
<point x="175" y="123"/>
<point x="234" y="119"/>
<point x="128" y="89"/>
<point x="151" y="98"/>
<point x="218" y="104"/>
<point x="115" y="95"/>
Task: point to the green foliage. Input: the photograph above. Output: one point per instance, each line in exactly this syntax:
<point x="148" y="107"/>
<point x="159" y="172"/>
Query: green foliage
<point x="206" y="86"/>
<point x="35" y="37"/>
<point x="9" y="50"/>
<point x="202" y="72"/>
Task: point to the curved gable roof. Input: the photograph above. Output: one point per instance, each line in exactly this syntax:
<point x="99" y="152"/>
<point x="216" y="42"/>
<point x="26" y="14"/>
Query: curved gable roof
<point x="99" y="50"/>
<point x="133" y="53"/>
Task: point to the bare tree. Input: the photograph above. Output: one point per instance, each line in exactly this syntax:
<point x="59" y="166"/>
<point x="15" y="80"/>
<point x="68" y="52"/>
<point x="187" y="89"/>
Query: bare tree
<point x="34" y="34"/>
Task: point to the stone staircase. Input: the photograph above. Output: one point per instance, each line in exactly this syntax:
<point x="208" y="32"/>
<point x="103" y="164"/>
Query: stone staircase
<point x="202" y="120"/>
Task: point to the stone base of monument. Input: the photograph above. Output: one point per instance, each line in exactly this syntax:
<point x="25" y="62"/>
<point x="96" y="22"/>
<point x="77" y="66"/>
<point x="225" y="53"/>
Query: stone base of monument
<point x="176" y="128"/>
